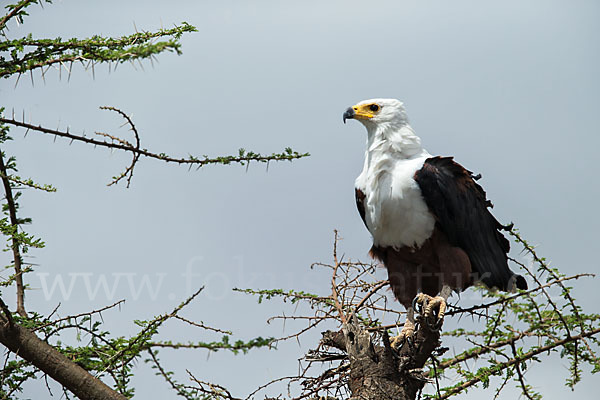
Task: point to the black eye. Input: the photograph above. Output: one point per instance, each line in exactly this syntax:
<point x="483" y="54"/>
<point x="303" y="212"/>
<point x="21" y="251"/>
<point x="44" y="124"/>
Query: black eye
<point x="374" y="107"/>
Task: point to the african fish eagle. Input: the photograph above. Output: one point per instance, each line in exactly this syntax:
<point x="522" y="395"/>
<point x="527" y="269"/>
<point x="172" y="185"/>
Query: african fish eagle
<point x="429" y="219"/>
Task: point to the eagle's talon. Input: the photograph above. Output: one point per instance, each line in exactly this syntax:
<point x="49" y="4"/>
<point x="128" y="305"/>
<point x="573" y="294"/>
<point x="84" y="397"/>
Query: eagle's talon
<point x="406" y="335"/>
<point x="431" y="309"/>
<point x="420" y="302"/>
<point x="435" y="319"/>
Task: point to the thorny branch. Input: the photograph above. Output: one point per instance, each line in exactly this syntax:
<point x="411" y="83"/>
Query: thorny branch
<point x="14" y="12"/>
<point x="334" y="288"/>
<point x="527" y="356"/>
<point x="80" y="315"/>
<point x="16" y="246"/>
<point x="120" y="144"/>
<point x="218" y="391"/>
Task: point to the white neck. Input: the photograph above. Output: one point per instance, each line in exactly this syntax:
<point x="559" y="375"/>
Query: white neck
<point x="398" y="140"/>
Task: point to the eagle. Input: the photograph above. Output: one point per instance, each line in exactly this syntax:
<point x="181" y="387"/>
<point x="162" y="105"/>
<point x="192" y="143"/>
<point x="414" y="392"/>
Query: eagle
<point x="429" y="218"/>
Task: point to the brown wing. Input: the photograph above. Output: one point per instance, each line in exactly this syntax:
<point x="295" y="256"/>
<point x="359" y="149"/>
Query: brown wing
<point x="461" y="210"/>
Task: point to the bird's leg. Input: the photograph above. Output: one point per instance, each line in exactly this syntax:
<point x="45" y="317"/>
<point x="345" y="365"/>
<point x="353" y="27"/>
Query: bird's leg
<point x="433" y="309"/>
<point x="408" y="331"/>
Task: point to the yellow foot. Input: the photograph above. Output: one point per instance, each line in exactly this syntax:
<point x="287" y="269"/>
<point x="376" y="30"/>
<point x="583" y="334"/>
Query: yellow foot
<point x="407" y="333"/>
<point x="432" y="309"/>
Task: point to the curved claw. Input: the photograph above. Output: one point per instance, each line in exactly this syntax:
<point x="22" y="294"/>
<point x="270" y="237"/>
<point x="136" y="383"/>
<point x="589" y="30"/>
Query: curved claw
<point x="437" y="319"/>
<point x="431" y="309"/>
<point x="406" y="335"/>
<point x="415" y="303"/>
<point x="420" y="302"/>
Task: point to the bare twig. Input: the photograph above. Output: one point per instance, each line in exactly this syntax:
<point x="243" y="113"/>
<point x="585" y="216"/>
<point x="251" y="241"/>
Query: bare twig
<point x="201" y="325"/>
<point x="334" y="292"/>
<point x="378" y="286"/>
<point x="215" y="390"/>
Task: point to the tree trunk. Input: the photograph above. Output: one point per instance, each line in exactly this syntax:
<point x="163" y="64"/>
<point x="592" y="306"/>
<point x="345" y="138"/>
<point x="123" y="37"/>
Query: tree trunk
<point x="380" y="372"/>
<point x="78" y="381"/>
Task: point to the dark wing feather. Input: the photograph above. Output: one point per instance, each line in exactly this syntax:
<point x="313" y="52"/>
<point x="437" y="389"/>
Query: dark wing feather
<point x="360" y="204"/>
<point x="461" y="210"/>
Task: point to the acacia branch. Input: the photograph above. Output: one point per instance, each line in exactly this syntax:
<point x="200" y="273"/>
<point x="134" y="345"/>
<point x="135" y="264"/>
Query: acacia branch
<point x="520" y="373"/>
<point x="14" y="11"/>
<point x="17" y="259"/>
<point x="84" y="314"/>
<point x="28" y="346"/>
<point x="543" y="265"/>
<point x="524" y="357"/>
<point x="178" y="388"/>
<point x="521" y="293"/>
<point x="242" y="158"/>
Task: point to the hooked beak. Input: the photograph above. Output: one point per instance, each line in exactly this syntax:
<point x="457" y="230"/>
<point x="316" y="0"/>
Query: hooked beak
<point x="348" y="114"/>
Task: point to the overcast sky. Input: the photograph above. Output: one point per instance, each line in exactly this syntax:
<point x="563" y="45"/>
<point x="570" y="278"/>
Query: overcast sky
<point x="512" y="90"/>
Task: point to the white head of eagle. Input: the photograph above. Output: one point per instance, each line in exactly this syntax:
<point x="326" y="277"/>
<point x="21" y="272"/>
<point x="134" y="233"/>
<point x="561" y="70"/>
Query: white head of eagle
<point x="429" y="219"/>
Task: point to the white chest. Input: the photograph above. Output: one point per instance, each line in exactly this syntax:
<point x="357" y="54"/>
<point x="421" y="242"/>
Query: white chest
<point x="395" y="211"/>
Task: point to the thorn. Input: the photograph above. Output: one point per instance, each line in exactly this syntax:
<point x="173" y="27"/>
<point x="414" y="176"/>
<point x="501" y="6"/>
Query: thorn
<point x="44" y="74"/>
<point x="18" y="78"/>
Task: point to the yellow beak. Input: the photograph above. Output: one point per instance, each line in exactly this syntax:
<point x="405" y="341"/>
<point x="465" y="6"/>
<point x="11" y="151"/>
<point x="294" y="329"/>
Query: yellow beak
<point x="358" y="112"/>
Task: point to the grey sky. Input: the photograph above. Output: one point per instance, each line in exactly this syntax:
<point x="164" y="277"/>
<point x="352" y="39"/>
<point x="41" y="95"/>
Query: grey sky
<point x="511" y="90"/>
